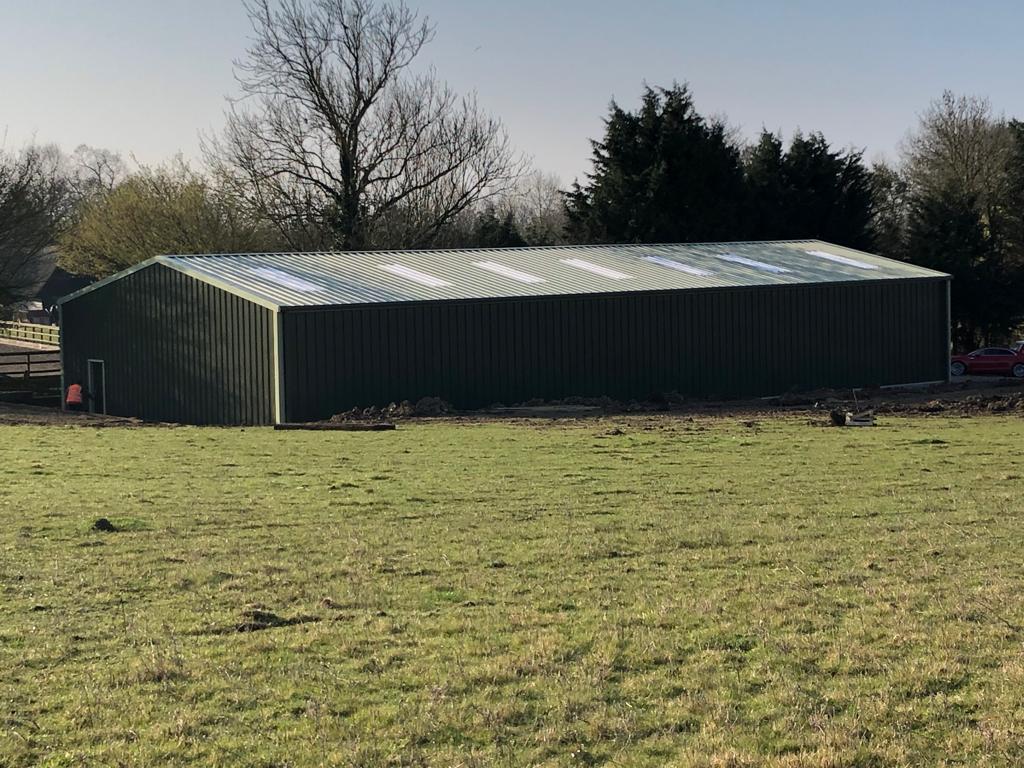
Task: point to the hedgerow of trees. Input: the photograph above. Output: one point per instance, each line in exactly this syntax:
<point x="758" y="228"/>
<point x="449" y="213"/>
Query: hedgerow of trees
<point x="665" y="173"/>
<point x="338" y="141"/>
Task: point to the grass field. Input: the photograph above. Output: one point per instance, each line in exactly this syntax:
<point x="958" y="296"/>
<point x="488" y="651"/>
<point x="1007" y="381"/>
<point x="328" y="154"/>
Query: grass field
<point x="630" y="592"/>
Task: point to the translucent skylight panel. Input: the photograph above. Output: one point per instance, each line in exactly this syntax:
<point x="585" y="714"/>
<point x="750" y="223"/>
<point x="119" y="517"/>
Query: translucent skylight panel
<point x="763" y="266"/>
<point x="842" y="260"/>
<point x="504" y="271"/>
<point x="679" y="266"/>
<point x="415" y="275"/>
<point x="597" y="269"/>
<point x="286" y="279"/>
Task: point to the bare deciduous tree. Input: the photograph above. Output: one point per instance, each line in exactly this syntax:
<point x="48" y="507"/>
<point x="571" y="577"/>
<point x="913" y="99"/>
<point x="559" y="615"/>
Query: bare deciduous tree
<point x="538" y="207"/>
<point x="963" y="202"/>
<point x="32" y="199"/>
<point x="339" y="143"/>
<point x="962" y="145"/>
<point x="95" y="171"/>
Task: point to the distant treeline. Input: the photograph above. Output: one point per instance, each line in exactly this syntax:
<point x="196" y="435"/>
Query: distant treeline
<point x="338" y="146"/>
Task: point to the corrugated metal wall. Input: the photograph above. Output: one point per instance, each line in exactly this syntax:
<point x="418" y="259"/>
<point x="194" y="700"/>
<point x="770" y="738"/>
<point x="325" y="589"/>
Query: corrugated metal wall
<point x="705" y="343"/>
<point x="175" y="349"/>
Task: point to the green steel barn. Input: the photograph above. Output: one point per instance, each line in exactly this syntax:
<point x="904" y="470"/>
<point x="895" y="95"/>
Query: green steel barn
<point x="285" y="337"/>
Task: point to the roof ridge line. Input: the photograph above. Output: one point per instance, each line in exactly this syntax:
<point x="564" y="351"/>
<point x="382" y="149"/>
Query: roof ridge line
<point x="509" y="248"/>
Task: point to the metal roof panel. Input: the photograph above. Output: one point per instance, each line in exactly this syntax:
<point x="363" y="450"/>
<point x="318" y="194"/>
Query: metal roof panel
<point x="282" y="280"/>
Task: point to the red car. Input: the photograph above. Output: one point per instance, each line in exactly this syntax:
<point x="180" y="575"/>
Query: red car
<point x="995" y="360"/>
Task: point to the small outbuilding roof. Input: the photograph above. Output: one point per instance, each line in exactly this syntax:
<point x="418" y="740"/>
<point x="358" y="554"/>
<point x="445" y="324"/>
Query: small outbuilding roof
<point x="280" y="280"/>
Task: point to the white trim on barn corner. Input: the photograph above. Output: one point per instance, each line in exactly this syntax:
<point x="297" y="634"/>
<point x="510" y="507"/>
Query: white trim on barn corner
<point x="949" y="328"/>
<point x="278" y="328"/>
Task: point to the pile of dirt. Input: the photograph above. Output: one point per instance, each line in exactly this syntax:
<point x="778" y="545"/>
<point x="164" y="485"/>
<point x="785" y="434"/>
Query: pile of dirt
<point x="373" y="413"/>
<point x="971" y="404"/>
<point x="426" y="406"/>
<point x="430" y="406"/>
<point x="958" y="398"/>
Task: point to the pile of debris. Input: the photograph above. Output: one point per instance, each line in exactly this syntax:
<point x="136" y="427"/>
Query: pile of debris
<point x="425" y="406"/>
<point x="970" y="404"/>
<point x="841" y="418"/>
<point x="998" y="404"/>
<point x="845" y="407"/>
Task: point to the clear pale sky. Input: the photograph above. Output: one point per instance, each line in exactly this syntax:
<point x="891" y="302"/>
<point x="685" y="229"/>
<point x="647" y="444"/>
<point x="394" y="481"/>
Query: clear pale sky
<point x="144" y="77"/>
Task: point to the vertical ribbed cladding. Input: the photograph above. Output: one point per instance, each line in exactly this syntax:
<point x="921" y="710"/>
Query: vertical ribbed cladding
<point x="175" y="348"/>
<point x="725" y="342"/>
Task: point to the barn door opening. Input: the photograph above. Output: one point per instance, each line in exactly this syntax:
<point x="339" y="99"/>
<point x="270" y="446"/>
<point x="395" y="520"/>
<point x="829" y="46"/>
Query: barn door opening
<point x="97" y="387"/>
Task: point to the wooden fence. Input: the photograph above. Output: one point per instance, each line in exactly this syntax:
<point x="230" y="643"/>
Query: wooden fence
<point x="33" y="332"/>
<point x="29" y="364"/>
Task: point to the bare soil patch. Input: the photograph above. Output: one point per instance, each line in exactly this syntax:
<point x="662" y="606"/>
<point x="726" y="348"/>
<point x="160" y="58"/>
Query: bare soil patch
<point x="969" y="397"/>
<point x="13" y="414"/>
<point x="962" y="398"/>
